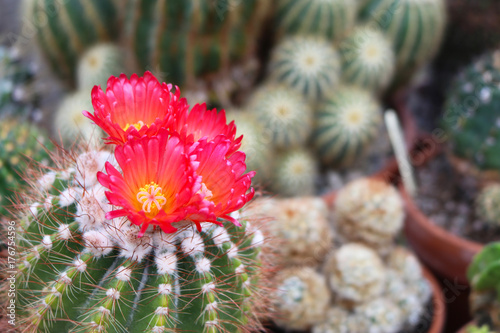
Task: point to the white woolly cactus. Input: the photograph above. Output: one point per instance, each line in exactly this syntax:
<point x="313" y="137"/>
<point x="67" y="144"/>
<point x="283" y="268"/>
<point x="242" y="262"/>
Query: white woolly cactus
<point x="284" y="114"/>
<point x="368" y="59"/>
<point x="295" y="173"/>
<point x="339" y="320"/>
<point x="356" y="274"/>
<point x="370" y="211"/>
<point x="310" y="65"/>
<point x="488" y="204"/>
<point x="301" y="299"/>
<point x="379" y="316"/>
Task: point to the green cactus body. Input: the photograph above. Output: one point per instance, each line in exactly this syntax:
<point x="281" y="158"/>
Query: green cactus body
<point x="65" y="29"/>
<point x="330" y="19"/>
<point x="472" y="115"/>
<point x="416" y="28"/>
<point x="345" y="124"/>
<point x="21" y="145"/>
<point x="310" y="65"/>
<point x="367" y="59"/>
<point x="81" y="272"/>
<point x="188" y="39"/>
<point x="295" y="173"/>
<point x="488" y="204"/>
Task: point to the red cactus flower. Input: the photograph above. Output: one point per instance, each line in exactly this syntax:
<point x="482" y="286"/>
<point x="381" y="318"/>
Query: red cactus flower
<point x="136" y="107"/>
<point x="158" y="185"/>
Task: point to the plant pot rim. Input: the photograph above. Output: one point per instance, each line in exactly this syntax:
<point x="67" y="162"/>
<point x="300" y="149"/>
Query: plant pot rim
<point x="439" y="307"/>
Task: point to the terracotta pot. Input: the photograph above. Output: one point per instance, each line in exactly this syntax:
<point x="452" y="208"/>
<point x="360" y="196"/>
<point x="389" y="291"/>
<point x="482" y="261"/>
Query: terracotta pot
<point x="439" y="309"/>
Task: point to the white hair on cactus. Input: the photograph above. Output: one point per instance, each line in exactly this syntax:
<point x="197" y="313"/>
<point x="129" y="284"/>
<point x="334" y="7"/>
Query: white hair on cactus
<point x="64" y="278"/>
<point x="240" y="269"/>
<point x="258" y="238"/>
<point x="47" y="242"/>
<point x="113" y="293"/>
<point x="208" y="287"/>
<point x="63" y="232"/>
<point x="97" y="243"/>
<point x="89" y="212"/>
<point x="124" y="274"/>
<point x="66" y="174"/>
<point x="36" y="253"/>
<point x="211" y="323"/>
<point x="158" y="329"/>
<point x="161" y="311"/>
<point x="104" y="311"/>
<point x="67" y="197"/>
<point x="45" y="182"/>
<point x="211" y="306"/>
<point x="220" y="236"/>
<point x="134" y="247"/>
<point x="203" y="265"/>
<point x="88" y="164"/>
<point x="233" y="251"/>
<point x="26" y="263"/>
<point x="165" y="289"/>
<point x="80" y="265"/>
<point x="47" y="204"/>
<point x="193" y="244"/>
<point x="54" y="292"/>
<point x="235" y="215"/>
<point x="166" y="263"/>
<point x="163" y="242"/>
<point x="34" y="208"/>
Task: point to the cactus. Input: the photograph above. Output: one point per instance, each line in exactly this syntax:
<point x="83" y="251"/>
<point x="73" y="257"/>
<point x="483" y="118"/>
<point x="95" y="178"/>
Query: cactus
<point x="370" y="211"/>
<point x="472" y="116"/>
<point x="338" y="320"/>
<point x="488" y="204"/>
<point x="190" y="39"/>
<point x="98" y="63"/>
<point x="345" y="124"/>
<point x="484" y="276"/>
<point x="310" y="65"/>
<point x="284" y="114"/>
<point x="380" y="315"/>
<point x="329" y="19"/>
<point x="476" y="329"/>
<point x="295" y="173"/>
<point x="301" y="299"/>
<point x="17" y="95"/>
<point x="21" y="145"/>
<point x="367" y="59"/>
<point x="65" y="29"/>
<point x="415" y="27"/>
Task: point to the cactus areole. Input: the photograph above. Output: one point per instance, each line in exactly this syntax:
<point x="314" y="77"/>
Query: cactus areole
<point x="147" y="236"/>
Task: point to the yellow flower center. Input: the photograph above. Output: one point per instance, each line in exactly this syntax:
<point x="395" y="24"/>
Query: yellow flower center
<point x="207" y="194"/>
<point x="138" y="125"/>
<point x="151" y="198"/>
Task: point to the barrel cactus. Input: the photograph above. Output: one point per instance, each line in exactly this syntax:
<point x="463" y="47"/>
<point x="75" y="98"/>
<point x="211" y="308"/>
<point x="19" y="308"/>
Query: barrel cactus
<point x="141" y="235"/>
<point x="295" y="173"/>
<point x="472" y="116"/>
<point x="308" y="64"/>
<point x="345" y="124"/>
<point x="488" y="204"/>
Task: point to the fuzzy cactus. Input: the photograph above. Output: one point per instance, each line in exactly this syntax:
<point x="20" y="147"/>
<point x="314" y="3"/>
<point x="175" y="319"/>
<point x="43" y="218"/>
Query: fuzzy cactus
<point x="484" y="276"/>
<point x="488" y="204"/>
<point x="370" y="211"/>
<point x="295" y="173"/>
<point x="308" y="64"/>
<point x="21" y="145"/>
<point x="284" y="114"/>
<point x="329" y="19"/>
<point x="301" y="298"/>
<point x="367" y="59"/>
<point x="472" y="116"/>
<point x="345" y="124"/>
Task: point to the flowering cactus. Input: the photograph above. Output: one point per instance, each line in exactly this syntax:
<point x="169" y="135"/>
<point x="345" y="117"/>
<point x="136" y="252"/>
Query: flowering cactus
<point x="145" y="237"/>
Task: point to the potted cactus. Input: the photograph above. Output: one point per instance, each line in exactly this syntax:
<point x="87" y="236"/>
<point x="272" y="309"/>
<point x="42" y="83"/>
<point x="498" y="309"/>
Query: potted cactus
<point x="142" y="234"/>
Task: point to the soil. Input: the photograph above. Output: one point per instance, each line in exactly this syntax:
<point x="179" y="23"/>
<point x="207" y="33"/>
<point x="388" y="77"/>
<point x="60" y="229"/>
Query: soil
<point x="448" y="199"/>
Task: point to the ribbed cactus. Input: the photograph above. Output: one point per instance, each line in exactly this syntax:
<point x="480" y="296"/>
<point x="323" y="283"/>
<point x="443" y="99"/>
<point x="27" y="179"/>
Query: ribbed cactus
<point x="367" y="59"/>
<point x="295" y="173"/>
<point x="80" y="271"/>
<point x="488" y="204"/>
<point x="330" y="19"/>
<point x="188" y="39"/>
<point x="345" y="124"/>
<point x="308" y="64"/>
<point x="21" y="145"/>
<point x="484" y="277"/>
<point x="472" y="115"/>
<point x="416" y="28"/>
<point x="65" y="29"/>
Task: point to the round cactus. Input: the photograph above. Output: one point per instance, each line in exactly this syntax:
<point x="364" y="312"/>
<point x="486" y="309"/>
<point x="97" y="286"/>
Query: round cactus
<point x="81" y="271"/>
<point x="416" y="28"/>
<point x="345" y="124"/>
<point x="308" y="64"/>
<point x="330" y="19"/>
<point x="356" y="274"/>
<point x="284" y="114"/>
<point x="295" y="173"/>
<point x="380" y="316"/>
<point x="301" y="299"/>
<point x="488" y="204"/>
<point x="367" y="59"/>
<point x="370" y="211"/>
<point x="472" y="116"/>
<point x="98" y="63"/>
<point x="338" y="320"/>
<point x="21" y="145"/>
<point x="64" y="30"/>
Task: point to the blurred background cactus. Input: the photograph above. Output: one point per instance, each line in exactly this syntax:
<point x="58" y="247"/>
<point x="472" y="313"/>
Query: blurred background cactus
<point x="488" y="204"/>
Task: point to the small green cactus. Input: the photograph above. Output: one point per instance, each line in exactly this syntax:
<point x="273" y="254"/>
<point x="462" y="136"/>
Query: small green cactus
<point x="345" y="124"/>
<point x="476" y="329"/>
<point x="308" y="64"/>
<point x="367" y="59"/>
<point x="79" y="271"/>
<point x="329" y="19"/>
<point x="472" y="115"/>
<point x="295" y="173"/>
<point x="488" y="204"/>
<point x="21" y="145"/>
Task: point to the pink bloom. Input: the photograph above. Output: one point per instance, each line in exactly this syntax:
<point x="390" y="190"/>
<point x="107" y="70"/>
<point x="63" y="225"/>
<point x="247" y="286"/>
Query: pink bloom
<point x="158" y="185"/>
<point x="136" y="107"/>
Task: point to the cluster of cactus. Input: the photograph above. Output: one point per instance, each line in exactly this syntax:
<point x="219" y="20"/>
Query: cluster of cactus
<point x="80" y="271"/>
<point x="21" y="145"/>
<point x="483" y="275"/>
<point x="472" y="116"/>
<point x="488" y="204"/>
